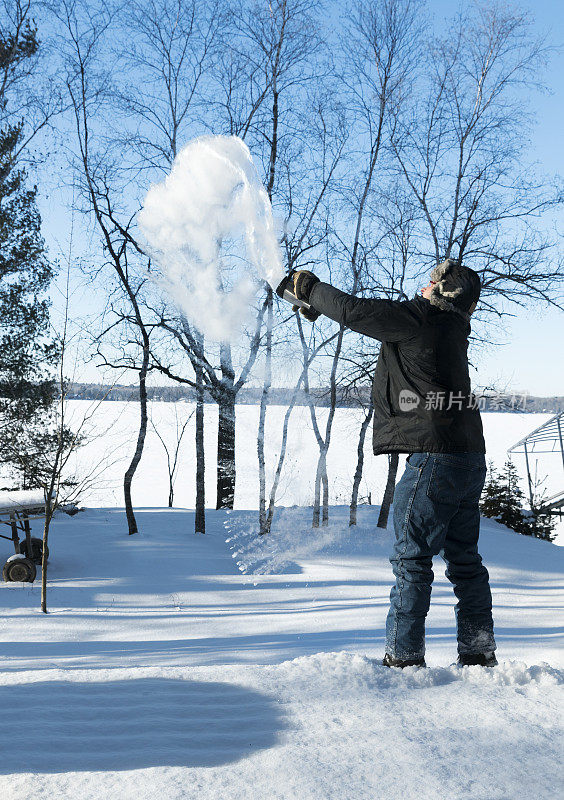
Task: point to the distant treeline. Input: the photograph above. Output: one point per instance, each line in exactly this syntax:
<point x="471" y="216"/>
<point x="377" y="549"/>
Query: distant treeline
<point x="281" y="396"/>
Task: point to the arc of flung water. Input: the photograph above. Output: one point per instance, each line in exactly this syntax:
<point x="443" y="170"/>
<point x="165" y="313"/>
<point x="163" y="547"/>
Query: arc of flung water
<point x="191" y="269"/>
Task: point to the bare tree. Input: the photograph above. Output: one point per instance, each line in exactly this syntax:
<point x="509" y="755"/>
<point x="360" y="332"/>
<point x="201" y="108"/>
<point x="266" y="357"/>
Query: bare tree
<point x="60" y="486"/>
<point x="368" y="414"/>
<point x="379" y="56"/>
<point x="359" y="365"/>
<point x="163" y="59"/>
<point x="168" y="51"/>
<point x="172" y="452"/>
<point x="386" y="273"/>
<point x="27" y="89"/>
<point x="309" y="353"/>
<point x="460" y="144"/>
<point x="85" y="29"/>
<point x="176" y="50"/>
<point x="460" y="187"/>
<point x="223" y="387"/>
<point x="200" y="513"/>
<point x="327" y="136"/>
<point x="393" y="461"/>
<point x="281" y="38"/>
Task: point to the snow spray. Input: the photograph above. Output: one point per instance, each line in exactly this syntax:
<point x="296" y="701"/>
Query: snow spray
<point x="212" y="201"/>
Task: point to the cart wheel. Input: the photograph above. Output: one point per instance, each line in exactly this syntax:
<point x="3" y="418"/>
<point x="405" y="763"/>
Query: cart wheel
<point x="20" y="569"/>
<point x="36" y="550"/>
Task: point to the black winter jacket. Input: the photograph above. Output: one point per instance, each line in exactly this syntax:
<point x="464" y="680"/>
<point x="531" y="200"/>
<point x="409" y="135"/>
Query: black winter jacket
<point x="421" y="388"/>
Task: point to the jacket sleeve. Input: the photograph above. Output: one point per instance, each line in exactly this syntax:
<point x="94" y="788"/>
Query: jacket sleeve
<point x="386" y="320"/>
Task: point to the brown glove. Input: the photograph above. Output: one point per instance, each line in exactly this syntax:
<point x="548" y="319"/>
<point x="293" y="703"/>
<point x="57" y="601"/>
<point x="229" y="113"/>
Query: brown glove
<point x="309" y="313"/>
<point x="304" y="281"/>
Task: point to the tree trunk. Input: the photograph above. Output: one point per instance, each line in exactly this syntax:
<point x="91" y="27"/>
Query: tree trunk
<point x="393" y="460"/>
<point x="320" y="472"/>
<point x="324" y="448"/>
<point x="50" y="501"/>
<point x="48" y="515"/>
<point x="128" y="478"/>
<point x="359" y="465"/>
<point x="262" y="417"/>
<point x="226" y="449"/>
<point x="321" y="478"/>
<point x="325" y="485"/>
<point x="281" y="458"/>
<point x="200" y="517"/>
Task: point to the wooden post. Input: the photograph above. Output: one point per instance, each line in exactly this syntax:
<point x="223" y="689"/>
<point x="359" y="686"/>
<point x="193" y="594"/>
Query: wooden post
<point x="27" y="530"/>
<point x="15" y="537"/>
<point x="560" y="437"/>
<point x="528" y="475"/>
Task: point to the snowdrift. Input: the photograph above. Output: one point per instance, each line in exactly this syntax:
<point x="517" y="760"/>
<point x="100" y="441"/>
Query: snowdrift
<point x="180" y="666"/>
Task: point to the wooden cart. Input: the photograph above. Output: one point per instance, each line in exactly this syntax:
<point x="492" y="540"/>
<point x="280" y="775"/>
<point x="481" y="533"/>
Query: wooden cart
<point x="16" y="510"/>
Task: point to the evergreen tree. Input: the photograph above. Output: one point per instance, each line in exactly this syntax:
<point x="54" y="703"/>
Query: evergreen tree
<point x="26" y="351"/>
<point x="26" y="390"/>
<point x="503" y="500"/>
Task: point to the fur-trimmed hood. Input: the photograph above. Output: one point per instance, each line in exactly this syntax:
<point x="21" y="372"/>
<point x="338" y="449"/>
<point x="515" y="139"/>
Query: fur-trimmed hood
<point x="457" y="288"/>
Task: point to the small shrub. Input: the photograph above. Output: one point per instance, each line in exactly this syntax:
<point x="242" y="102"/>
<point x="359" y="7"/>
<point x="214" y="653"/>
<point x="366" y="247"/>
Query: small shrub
<point x="503" y="500"/>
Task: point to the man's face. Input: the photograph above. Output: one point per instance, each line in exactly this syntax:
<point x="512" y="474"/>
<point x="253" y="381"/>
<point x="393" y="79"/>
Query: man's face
<point x="426" y="290"/>
<point x="426" y="293"/>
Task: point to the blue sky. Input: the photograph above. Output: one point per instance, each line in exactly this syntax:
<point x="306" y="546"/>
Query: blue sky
<point x="530" y="356"/>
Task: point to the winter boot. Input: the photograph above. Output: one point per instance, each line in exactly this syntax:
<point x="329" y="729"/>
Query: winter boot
<point x="477" y="660"/>
<point x="389" y="661"/>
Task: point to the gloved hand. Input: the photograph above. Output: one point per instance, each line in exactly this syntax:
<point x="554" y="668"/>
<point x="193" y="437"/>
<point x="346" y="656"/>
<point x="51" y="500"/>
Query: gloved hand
<point x="304" y="281"/>
<point x="309" y="313"/>
<point x="301" y="281"/>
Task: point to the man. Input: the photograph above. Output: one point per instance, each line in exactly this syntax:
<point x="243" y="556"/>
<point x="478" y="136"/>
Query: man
<point x="423" y="406"/>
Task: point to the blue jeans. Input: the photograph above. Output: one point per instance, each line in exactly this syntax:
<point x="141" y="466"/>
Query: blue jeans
<point x="436" y="513"/>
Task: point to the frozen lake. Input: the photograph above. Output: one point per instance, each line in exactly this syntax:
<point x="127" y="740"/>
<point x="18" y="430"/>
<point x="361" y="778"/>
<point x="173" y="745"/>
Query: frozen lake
<point x="114" y="430"/>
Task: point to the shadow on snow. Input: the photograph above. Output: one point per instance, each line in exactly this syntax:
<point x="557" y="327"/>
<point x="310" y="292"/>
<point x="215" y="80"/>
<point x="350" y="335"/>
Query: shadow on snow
<point x="133" y="724"/>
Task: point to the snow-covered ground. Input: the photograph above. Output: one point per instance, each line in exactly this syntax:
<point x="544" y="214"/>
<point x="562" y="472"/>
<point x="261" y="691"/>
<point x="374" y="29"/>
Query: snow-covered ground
<point x="176" y="666"/>
<point x="223" y="667"/>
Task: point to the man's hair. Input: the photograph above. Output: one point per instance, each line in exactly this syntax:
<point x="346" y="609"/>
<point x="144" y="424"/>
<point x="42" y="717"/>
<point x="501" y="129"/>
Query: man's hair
<point x="457" y="288"/>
